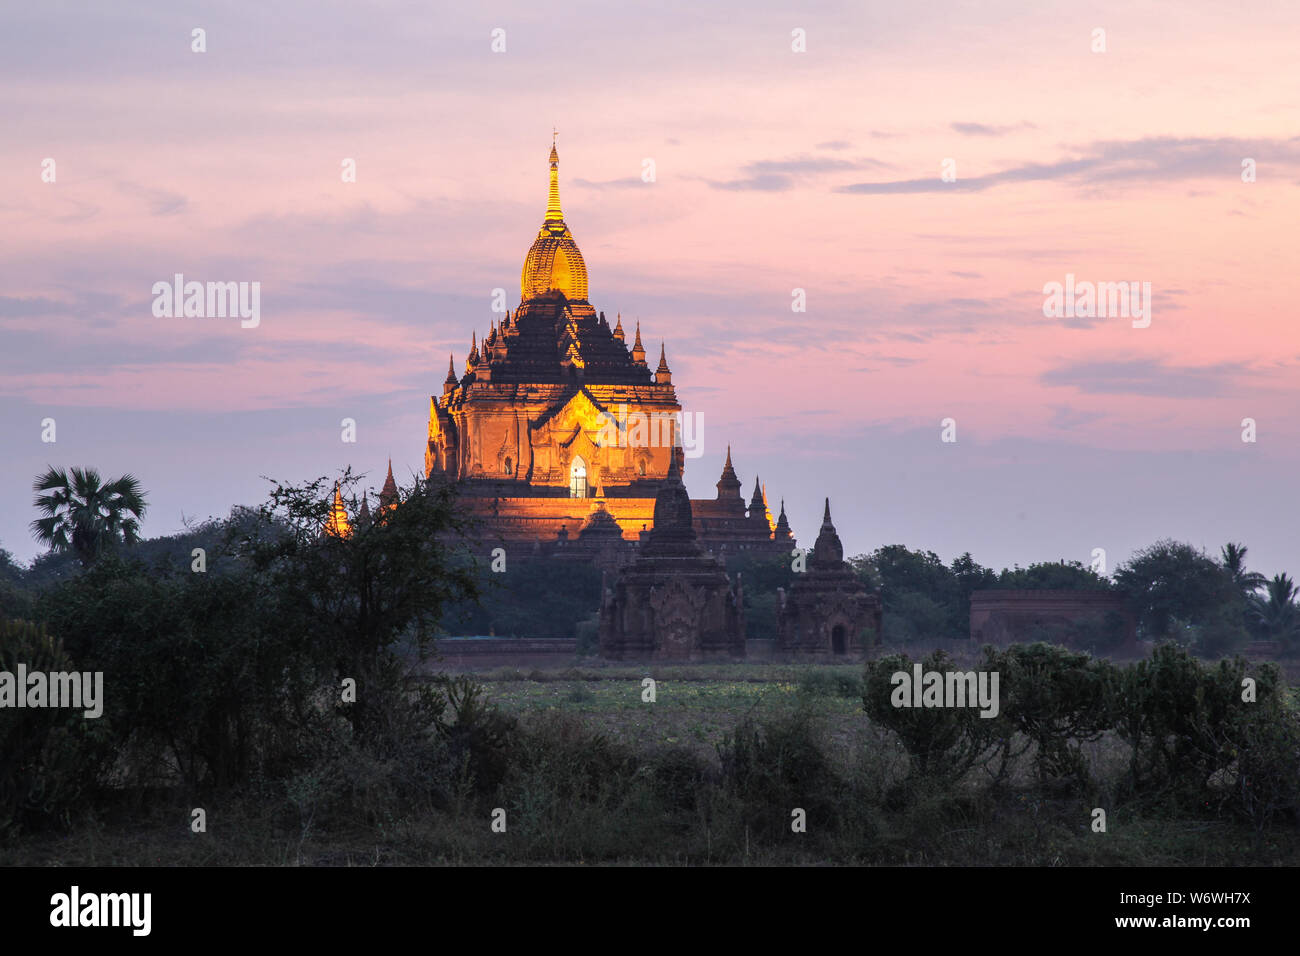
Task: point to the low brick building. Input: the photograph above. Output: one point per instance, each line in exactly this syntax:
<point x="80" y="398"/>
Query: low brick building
<point x="1078" y="618"/>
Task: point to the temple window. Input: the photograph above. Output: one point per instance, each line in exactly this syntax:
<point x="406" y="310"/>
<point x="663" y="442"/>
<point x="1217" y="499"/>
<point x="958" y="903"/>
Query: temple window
<point x="578" y="479"/>
<point x="508" y="467"/>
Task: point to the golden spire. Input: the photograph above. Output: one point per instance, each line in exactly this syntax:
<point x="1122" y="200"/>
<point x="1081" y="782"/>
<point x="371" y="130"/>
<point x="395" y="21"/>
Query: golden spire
<point x="554" y="217"/>
<point x="638" y="350"/>
<point x="337" y="524"/>
<point x="662" y="375"/>
<point x="554" y="262"/>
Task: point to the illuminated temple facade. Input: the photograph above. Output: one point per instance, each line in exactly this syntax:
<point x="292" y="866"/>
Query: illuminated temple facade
<point x="560" y="434"/>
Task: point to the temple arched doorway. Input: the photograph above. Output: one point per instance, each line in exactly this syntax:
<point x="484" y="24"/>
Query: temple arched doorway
<point x="837" y="639"/>
<point x="578" y="479"/>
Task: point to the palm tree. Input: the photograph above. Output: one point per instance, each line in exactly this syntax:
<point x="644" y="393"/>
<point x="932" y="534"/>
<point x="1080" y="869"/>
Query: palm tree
<point x="1234" y="562"/>
<point x="1277" y="613"/>
<point x="85" y="515"/>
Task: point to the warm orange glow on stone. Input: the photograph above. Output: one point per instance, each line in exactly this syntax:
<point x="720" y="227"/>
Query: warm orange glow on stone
<point x="337" y="524"/>
<point x="554" y="262"/>
<point x="554" y="386"/>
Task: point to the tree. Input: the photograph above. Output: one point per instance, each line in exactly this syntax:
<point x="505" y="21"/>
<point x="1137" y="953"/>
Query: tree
<point x="1053" y="575"/>
<point x="351" y="597"/>
<point x="533" y="597"/>
<point x="1275" y="612"/>
<point x="971" y="576"/>
<point x="922" y="597"/>
<point x="84" y="515"/>
<point x="14" y="599"/>
<point x="1172" y="585"/>
<point x="1234" y="562"/>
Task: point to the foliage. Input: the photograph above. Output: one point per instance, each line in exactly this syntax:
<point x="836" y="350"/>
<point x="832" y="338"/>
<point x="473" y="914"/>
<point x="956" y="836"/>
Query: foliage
<point x="943" y="742"/>
<point x="1276" y="614"/>
<point x="53" y="757"/>
<point x="1172" y="585"/>
<point x="1179" y="717"/>
<point x="923" y="598"/>
<point x="15" y="600"/>
<point x="199" y="679"/>
<point x="477" y="733"/>
<point x="1056" y="698"/>
<point x="1233" y="560"/>
<point x="348" y="599"/>
<point x="83" y="514"/>
<point x="532" y="598"/>
<point x="775" y="765"/>
<point x="761" y="576"/>
<point x="1054" y="575"/>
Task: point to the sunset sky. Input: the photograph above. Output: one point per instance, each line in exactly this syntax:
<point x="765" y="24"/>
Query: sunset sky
<point x="775" y="170"/>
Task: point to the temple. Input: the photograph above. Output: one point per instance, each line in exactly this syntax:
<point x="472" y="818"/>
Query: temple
<point x="560" y="435"/>
<point x="827" y="611"/>
<point x="675" y="603"/>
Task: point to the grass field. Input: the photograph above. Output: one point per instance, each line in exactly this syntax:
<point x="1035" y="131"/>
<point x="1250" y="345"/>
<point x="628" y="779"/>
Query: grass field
<point x="602" y="775"/>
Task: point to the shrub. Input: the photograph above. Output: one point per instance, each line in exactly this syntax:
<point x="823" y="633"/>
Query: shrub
<point x="774" y="764"/>
<point x="478" y="735"/>
<point x="1057" y="698"/>
<point x="53" y="757"/>
<point x="943" y="742"/>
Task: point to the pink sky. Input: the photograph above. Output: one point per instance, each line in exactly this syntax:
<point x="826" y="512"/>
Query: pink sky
<point x="775" y="170"/>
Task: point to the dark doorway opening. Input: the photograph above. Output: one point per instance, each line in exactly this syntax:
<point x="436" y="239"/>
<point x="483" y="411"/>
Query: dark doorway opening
<point x="837" y="639"/>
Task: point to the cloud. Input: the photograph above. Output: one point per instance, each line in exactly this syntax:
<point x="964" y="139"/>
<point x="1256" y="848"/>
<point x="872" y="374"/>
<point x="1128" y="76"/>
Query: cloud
<point x="1144" y="377"/>
<point x="160" y="201"/>
<point x="14" y="308"/>
<point x="1066" y="418"/>
<point x="1151" y="160"/>
<point x="835" y="144"/>
<point x="769" y="182"/>
<point x="775" y="175"/>
<point x="980" y="129"/>
<point x="628" y="182"/>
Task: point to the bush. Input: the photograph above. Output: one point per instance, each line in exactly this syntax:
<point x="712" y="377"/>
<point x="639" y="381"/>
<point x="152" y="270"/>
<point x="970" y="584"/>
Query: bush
<point x="588" y="634"/>
<point x="1184" y="720"/>
<point x="824" y="683"/>
<point x="912" y="616"/>
<point x="199" y="679"/>
<point x="1056" y="698"/>
<point x="53" y="757"/>
<point x="478" y="735"/>
<point x="943" y="742"/>
<point x="773" y="765"/>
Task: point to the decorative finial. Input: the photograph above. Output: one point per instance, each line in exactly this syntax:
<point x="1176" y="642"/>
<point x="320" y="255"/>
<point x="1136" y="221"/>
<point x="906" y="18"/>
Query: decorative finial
<point x="638" y="350"/>
<point x="554" y="216"/>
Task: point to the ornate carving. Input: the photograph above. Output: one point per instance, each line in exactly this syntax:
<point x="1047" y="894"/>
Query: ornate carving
<point x="676" y="606"/>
